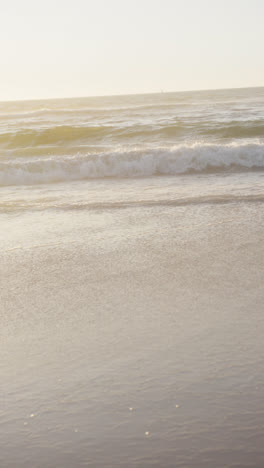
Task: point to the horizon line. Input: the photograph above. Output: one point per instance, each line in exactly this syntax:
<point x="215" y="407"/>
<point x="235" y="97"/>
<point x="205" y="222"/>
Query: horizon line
<point x="129" y="94"/>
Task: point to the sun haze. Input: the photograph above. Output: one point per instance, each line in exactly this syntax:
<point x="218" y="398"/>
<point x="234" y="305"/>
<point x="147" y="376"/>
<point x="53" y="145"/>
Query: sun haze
<point x="82" y="47"/>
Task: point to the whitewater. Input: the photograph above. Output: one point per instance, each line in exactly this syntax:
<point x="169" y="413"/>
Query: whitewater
<point x="131" y="281"/>
<point x="130" y="136"/>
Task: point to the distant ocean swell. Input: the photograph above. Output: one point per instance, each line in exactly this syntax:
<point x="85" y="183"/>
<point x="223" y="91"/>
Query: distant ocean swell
<point x="66" y="134"/>
<point x="139" y="162"/>
<point x="47" y="136"/>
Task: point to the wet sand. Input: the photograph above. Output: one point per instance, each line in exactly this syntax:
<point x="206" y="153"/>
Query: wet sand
<point x="133" y="337"/>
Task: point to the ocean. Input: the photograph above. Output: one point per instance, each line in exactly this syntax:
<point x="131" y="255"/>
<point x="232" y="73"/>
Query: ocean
<point x="131" y="292"/>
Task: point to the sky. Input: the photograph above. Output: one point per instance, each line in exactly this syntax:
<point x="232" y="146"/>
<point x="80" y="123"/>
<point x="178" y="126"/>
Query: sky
<point x="68" y="48"/>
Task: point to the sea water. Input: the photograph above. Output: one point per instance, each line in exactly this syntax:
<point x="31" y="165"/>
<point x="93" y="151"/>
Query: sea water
<point x="131" y="281"/>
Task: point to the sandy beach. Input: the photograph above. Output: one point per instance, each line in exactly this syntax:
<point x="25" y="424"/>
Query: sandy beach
<point x="131" y="234"/>
<point x="132" y="334"/>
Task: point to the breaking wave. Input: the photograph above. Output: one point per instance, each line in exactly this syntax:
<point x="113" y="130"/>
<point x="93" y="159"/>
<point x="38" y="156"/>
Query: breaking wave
<point x="139" y="162"/>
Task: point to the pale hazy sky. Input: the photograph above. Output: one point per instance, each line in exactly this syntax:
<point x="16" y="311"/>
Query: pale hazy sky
<point x="64" y="48"/>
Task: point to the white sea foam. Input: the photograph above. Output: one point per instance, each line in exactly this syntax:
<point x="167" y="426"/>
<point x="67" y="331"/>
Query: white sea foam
<point x="139" y="162"/>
